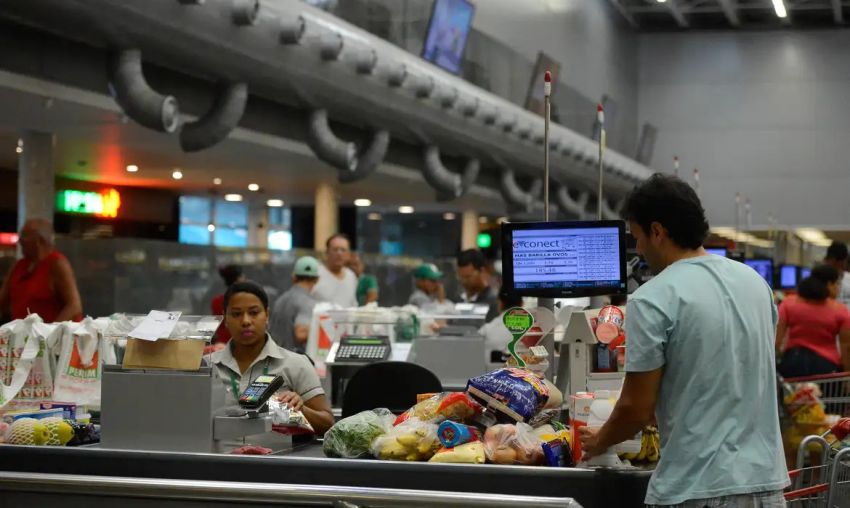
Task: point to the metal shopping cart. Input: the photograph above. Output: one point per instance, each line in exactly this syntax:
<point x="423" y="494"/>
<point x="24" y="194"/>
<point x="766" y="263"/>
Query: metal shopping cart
<point x="830" y="484"/>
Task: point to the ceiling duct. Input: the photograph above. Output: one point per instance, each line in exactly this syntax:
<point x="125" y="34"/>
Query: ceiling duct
<point x="216" y="124"/>
<point x="612" y="213"/>
<point x="330" y="46"/>
<point x="138" y="100"/>
<point x="369" y="159"/>
<point x="292" y="29"/>
<point x="327" y="147"/>
<point x="514" y="195"/>
<point x="573" y="208"/>
<point x="245" y="12"/>
<point x="448" y="184"/>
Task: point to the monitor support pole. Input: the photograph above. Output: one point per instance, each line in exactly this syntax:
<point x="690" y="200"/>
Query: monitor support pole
<point x="549" y="303"/>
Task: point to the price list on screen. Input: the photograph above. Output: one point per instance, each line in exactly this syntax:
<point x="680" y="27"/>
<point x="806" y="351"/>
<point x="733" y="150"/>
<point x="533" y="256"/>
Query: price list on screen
<point x="566" y="257"/>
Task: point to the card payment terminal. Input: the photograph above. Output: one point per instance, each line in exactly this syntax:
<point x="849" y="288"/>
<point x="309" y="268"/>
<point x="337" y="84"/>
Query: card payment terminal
<point x="260" y="391"/>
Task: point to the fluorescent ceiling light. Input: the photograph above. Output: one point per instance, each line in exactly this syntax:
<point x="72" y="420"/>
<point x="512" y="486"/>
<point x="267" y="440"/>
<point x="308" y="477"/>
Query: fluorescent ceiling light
<point x="274" y="203"/>
<point x="211" y="228"/>
<point x="811" y="235"/>
<point x="448" y="216"/>
<point x="177" y="174"/>
<point x="233" y="197"/>
<point x="253" y="187"/>
<point x="779" y="7"/>
<point x="374" y="216"/>
<point x="216" y="181"/>
<point x="362" y="202"/>
<point x="405" y="209"/>
<point x="132" y="168"/>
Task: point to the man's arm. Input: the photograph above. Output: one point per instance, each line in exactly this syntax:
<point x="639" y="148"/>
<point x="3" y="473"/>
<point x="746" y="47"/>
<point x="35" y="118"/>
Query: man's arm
<point x="634" y="411"/>
<point x="781" y="331"/>
<point x="66" y="287"/>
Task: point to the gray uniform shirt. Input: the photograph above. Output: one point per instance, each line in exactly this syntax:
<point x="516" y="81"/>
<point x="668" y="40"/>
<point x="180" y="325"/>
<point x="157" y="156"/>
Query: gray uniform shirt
<point x="295" y="307"/>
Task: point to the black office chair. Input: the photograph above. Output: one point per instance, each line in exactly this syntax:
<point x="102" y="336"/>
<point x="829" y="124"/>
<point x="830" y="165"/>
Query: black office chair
<point x="393" y="385"/>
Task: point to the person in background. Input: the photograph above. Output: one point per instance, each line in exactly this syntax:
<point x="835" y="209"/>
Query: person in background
<point x="252" y="353"/>
<point x="337" y="283"/>
<point x="836" y="257"/>
<point x="496" y="336"/>
<point x="700" y="360"/>
<point x="429" y="292"/>
<point x="230" y="274"/>
<point x="42" y="282"/>
<point x="472" y="273"/>
<point x="808" y="324"/>
<point x="293" y="310"/>
<point x="367" y="285"/>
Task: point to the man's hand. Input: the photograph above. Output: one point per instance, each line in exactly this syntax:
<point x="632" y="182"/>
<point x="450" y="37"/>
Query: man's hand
<point x="291" y="399"/>
<point x="590" y="442"/>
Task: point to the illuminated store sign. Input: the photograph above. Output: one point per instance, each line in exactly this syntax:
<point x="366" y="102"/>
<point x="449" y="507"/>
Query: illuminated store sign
<point x="101" y="204"/>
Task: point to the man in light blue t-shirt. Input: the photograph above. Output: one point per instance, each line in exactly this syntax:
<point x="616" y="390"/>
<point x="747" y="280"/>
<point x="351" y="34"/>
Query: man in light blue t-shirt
<point x="700" y="359"/>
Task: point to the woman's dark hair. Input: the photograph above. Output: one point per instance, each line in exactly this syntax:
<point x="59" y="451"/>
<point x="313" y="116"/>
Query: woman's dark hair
<point x="247" y="286"/>
<point x="814" y="287"/>
<point x="230" y="274"/>
<point x="672" y="203"/>
<point x="509" y="298"/>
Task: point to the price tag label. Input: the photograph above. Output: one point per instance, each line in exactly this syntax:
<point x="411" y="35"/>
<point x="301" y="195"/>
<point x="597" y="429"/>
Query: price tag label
<point x="539" y="352"/>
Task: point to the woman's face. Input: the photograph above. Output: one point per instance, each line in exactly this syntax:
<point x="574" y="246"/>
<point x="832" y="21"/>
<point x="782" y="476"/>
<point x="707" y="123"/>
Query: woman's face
<point x="832" y="287"/>
<point x="246" y="319"/>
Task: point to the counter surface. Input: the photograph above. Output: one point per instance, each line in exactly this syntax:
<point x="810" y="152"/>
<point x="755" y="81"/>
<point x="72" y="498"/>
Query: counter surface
<point x="306" y="465"/>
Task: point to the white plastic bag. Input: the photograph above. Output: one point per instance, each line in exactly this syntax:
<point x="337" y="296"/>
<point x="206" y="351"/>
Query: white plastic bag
<point x="79" y="370"/>
<point x="25" y="367"/>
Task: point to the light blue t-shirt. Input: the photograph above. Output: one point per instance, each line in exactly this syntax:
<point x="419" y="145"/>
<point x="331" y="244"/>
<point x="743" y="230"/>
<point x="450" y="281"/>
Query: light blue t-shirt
<point x="710" y="323"/>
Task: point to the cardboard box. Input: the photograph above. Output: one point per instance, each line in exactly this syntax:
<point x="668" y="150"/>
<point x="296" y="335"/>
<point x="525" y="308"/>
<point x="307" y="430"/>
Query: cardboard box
<point x="172" y="354"/>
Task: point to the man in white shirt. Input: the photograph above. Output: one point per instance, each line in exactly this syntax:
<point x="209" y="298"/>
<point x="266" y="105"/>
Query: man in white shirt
<point x="337" y="284"/>
<point x="836" y="257"/>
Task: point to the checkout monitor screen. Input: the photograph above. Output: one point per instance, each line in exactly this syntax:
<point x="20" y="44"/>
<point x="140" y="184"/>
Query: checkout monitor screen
<point x="564" y="259"/>
<point x="805" y="273"/>
<point x="764" y="267"/>
<point x="716" y="251"/>
<point x="788" y="276"/>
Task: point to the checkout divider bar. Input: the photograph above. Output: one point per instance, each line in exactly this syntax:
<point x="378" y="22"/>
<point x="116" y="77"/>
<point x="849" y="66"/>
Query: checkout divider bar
<point x="269" y="493"/>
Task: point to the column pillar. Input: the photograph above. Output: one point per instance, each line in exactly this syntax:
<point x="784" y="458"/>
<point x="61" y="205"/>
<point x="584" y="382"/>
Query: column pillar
<point x="469" y="230"/>
<point x="326" y="215"/>
<point x="258" y="225"/>
<point x="36" y="184"/>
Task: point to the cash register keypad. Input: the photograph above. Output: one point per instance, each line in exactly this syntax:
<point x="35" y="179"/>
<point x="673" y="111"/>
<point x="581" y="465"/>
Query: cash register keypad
<point x="363" y="353"/>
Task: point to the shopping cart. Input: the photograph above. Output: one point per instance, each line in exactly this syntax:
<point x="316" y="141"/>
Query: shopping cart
<point x="830" y="487"/>
<point x="834" y="391"/>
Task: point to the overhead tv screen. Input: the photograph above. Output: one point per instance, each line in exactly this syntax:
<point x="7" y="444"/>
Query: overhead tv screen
<point x="447" y="33"/>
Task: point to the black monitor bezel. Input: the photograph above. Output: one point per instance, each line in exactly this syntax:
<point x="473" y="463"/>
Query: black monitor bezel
<point x="771" y="283"/>
<point x="508" y="229"/>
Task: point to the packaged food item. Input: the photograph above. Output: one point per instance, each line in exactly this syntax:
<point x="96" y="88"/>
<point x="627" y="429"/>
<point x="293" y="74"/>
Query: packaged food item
<point x="411" y="440"/>
<point x="468" y="453"/>
<point x="513" y="444"/>
<point x="515" y="395"/>
<point x="804" y="404"/>
<point x="555" y="438"/>
<point x="456" y="406"/>
<point x="352" y="437"/>
<point x="579" y="416"/>
<point x="453" y="434"/>
<point x="69" y="410"/>
<point x="609" y="324"/>
<point x="286" y="420"/>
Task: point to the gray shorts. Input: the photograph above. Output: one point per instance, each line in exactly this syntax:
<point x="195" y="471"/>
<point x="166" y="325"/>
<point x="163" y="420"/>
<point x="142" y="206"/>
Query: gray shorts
<point x="774" y="499"/>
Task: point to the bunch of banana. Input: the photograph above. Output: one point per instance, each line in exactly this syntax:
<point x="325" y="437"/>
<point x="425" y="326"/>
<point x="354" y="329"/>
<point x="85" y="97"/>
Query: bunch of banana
<point x="650" y="447"/>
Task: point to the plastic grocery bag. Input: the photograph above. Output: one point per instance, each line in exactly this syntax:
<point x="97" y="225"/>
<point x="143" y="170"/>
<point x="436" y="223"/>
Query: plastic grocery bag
<point x="352" y="437"/>
<point x="26" y="378"/>
<point x="412" y="440"/>
<point x="455" y="406"/>
<point x="286" y="420"/>
<point x="79" y="369"/>
<point x="513" y="444"/>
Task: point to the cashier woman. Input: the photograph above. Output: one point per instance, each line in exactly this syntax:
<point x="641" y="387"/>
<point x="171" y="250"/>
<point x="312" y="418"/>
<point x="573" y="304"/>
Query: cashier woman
<point x="251" y="352"/>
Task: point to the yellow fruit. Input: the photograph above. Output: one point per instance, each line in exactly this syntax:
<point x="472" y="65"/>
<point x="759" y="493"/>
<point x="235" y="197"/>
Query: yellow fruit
<point x="408" y="440"/>
<point x="644" y="447"/>
<point x="28" y="431"/>
<point x="412" y="457"/>
<point x="59" y="430"/>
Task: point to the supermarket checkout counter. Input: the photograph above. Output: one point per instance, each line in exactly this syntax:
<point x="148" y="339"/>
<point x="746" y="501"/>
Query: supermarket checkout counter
<point x="93" y="478"/>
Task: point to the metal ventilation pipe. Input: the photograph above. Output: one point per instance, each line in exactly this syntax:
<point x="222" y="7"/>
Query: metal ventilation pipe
<point x="469" y="106"/>
<point x="514" y="195"/>
<point x="573" y="207"/>
<point x="396" y="75"/>
<point x="447" y="95"/>
<point x="369" y="159"/>
<point x="612" y="213"/>
<point x="422" y="85"/>
<point x="216" y="124"/>
<point x="366" y="60"/>
<point x="327" y="147"/>
<point x="292" y="29"/>
<point x="138" y="100"/>
<point x="449" y="185"/>
<point x="245" y="12"/>
<point x="331" y="44"/>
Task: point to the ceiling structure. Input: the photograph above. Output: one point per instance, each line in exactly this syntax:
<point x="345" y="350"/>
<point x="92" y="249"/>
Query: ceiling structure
<point x="662" y="15"/>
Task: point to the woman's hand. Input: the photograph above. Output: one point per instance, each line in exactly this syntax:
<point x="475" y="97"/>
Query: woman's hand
<point x="291" y="399"/>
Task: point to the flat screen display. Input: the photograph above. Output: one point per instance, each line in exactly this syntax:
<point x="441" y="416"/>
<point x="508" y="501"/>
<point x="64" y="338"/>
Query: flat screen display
<point x="447" y="33"/>
<point x="564" y="259"/>
<point x="788" y="276"/>
<point x="716" y="251"/>
<point x="805" y="273"/>
<point x="764" y="267"/>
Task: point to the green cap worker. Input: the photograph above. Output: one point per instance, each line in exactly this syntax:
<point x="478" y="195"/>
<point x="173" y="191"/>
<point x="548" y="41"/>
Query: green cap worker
<point x="293" y="311"/>
<point x="429" y="286"/>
